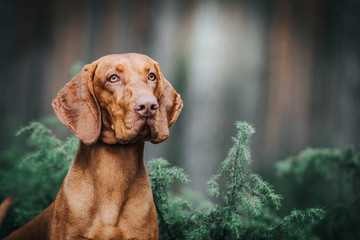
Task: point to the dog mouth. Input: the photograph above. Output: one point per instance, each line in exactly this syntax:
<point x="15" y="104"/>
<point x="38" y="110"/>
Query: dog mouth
<point x="144" y="128"/>
<point x="147" y="128"/>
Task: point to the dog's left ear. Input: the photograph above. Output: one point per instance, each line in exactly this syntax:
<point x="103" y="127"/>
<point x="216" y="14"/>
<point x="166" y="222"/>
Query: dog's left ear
<point x="170" y="105"/>
<point x="77" y="108"/>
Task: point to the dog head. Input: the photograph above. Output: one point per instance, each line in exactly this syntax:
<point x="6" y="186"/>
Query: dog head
<point x="119" y="99"/>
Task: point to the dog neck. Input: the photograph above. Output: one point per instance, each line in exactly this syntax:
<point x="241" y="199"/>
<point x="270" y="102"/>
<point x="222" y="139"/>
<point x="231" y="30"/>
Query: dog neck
<point x="107" y="172"/>
<point x="111" y="163"/>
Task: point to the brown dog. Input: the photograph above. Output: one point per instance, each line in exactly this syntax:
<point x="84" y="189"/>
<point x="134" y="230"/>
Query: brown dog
<point x="112" y="106"/>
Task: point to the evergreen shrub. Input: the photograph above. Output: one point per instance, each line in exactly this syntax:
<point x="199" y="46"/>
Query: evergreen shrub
<point x="246" y="208"/>
<point x="334" y="177"/>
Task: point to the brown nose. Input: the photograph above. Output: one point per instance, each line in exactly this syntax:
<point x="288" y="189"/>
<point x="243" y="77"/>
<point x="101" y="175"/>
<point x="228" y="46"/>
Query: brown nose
<point x="146" y="106"/>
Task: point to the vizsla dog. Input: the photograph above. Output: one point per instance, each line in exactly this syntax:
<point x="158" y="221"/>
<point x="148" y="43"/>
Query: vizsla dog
<point x="112" y="106"/>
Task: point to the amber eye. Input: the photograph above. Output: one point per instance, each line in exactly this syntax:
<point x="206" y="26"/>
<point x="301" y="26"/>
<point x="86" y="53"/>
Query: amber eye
<point x="113" y="79"/>
<point x="152" y="77"/>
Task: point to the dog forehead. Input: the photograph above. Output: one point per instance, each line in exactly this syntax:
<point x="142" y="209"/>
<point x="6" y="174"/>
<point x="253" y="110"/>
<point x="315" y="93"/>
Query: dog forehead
<point x="124" y="62"/>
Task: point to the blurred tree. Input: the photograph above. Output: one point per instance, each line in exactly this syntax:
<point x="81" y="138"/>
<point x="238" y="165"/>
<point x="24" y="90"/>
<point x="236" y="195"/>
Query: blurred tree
<point x="345" y="70"/>
<point x="290" y="67"/>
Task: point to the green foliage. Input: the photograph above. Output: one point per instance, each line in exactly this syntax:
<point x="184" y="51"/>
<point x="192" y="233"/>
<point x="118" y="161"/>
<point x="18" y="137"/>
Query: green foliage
<point x="289" y="227"/>
<point x="322" y="161"/>
<point x="40" y="171"/>
<point x="172" y="211"/>
<point x="247" y="208"/>
<point x="337" y="172"/>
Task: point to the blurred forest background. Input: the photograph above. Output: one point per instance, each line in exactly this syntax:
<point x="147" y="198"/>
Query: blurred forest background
<point x="290" y="68"/>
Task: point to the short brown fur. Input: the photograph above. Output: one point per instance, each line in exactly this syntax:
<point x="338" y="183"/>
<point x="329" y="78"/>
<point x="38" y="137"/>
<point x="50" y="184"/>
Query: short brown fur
<point x="106" y="193"/>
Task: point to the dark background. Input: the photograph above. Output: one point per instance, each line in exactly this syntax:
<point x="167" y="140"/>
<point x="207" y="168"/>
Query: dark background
<point x="291" y="68"/>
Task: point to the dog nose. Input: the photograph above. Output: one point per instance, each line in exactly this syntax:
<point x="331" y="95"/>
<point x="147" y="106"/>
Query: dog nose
<point x="146" y="106"/>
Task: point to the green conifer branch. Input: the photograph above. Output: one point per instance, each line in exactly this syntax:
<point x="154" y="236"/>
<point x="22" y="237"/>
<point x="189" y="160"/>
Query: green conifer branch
<point x="246" y="208"/>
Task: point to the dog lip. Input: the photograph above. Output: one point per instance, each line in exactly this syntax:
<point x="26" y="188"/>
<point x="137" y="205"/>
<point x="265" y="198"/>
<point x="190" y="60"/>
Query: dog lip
<point x="141" y="124"/>
<point x="123" y="140"/>
<point x="147" y="128"/>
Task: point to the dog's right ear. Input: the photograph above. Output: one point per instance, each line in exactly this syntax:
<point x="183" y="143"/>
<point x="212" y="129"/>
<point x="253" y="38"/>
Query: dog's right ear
<point x="77" y="108"/>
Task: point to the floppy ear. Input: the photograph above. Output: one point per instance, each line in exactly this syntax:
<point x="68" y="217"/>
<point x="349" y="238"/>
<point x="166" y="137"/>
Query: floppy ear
<point x="77" y="108"/>
<point x="170" y="105"/>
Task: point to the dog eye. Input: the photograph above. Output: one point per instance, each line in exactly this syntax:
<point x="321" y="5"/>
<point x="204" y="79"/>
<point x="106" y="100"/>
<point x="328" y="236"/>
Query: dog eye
<point x="151" y="77"/>
<point x="113" y="79"/>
